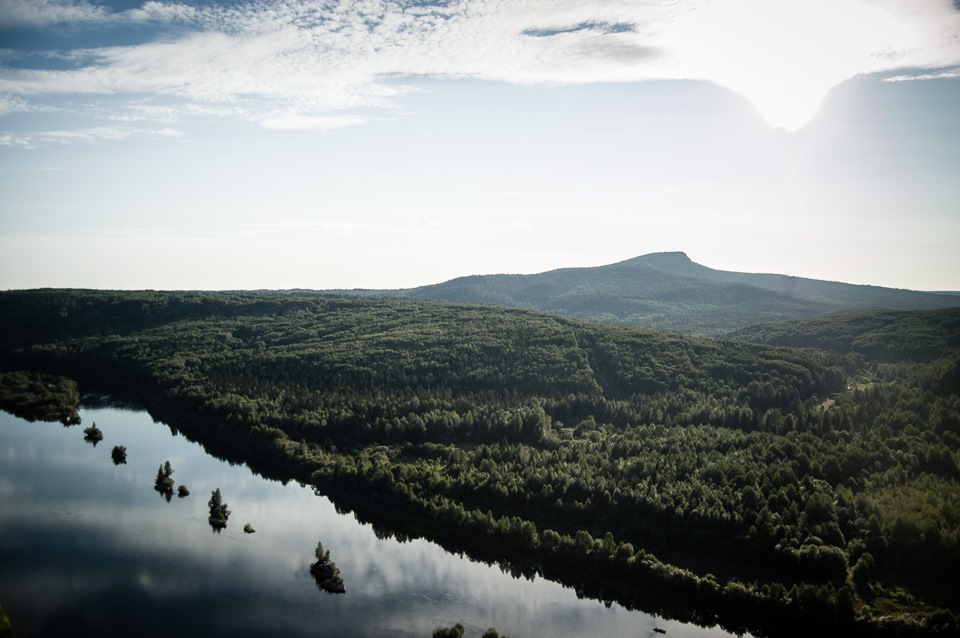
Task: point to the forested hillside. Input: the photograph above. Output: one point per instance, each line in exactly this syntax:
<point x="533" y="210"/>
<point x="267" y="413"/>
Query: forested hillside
<point x="776" y="489"/>
<point x="668" y="291"/>
<point x="876" y="335"/>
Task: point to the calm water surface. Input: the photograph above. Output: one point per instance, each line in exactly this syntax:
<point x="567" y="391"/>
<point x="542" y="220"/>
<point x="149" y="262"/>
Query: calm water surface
<point x="87" y="547"/>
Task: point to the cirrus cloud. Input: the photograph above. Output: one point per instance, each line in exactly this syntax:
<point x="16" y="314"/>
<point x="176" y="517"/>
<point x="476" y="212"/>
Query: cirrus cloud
<point x="319" y="62"/>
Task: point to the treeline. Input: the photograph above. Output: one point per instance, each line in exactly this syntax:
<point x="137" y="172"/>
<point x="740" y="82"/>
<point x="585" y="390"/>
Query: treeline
<point x="39" y="397"/>
<point x="880" y="336"/>
<point x="779" y="487"/>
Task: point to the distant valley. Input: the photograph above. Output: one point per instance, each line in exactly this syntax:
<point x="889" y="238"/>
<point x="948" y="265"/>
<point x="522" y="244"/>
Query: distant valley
<point x="668" y="291"/>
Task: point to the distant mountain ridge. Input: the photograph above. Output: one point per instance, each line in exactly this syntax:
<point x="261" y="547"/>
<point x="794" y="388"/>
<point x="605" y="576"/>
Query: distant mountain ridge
<point x="669" y="291"/>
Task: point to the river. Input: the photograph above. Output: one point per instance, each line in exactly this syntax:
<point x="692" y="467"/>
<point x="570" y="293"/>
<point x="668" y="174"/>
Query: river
<point x="89" y="548"/>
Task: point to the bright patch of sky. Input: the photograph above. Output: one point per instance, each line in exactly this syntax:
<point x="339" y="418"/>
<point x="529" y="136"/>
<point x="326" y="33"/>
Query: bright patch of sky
<point x="364" y="143"/>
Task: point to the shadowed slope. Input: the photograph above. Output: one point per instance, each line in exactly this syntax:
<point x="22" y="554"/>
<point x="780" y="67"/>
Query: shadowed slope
<point x="668" y="291"/>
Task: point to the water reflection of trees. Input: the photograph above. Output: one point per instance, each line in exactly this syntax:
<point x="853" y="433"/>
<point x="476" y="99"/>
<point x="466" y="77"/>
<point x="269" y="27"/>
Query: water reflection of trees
<point x="386" y="528"/>
<point x="119" y="455"/>
<point x="644" y="601"/>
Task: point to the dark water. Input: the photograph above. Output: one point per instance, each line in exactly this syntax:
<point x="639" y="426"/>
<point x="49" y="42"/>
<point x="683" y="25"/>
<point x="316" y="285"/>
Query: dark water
<point x="89" y="548"/>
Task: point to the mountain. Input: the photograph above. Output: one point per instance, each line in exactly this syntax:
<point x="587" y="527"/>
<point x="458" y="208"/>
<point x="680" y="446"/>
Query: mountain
<point x="668" y="291"/>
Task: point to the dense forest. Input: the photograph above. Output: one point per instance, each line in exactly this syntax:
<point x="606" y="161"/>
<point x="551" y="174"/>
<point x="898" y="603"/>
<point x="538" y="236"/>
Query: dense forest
<point x="776" y="489"/>
<point x="882" y="336"/>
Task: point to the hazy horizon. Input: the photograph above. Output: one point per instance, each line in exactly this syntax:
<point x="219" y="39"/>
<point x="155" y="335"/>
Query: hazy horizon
<point x="460" y="276"/>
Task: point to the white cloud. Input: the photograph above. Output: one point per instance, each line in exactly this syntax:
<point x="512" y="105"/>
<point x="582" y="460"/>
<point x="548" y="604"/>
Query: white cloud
<point x="938" y="75"/>
<point x="178" y="112"/>
<point x="162" y="132"/>
<point x="85" y="135"/>
<point x="91" y="135"/>
<point x="81" y="135"/>
<point x="164" y="12"/>
<point x="46" y="12"/>
<point x="15" y="141"/>
<point x="312" y="59"/>
<point x="12" y="104"/>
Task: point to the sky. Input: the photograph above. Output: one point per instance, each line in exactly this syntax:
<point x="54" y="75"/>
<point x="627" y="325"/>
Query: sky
<point x="220" y="144"/>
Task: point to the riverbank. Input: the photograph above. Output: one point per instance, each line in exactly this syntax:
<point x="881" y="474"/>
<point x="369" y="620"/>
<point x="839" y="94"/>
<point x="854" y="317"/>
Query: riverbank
<point x="636" y="581"/>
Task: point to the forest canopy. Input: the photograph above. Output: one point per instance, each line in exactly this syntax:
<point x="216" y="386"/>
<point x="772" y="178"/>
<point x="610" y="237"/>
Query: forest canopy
<point x="774" y="488"/>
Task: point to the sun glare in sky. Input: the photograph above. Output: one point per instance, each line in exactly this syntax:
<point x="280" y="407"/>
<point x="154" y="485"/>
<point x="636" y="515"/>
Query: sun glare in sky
<point x="785" y="57"/>
<point x="346" y="143"/>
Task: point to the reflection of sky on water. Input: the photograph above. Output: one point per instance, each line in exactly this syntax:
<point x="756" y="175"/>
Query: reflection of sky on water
<point x="88" y="546"/>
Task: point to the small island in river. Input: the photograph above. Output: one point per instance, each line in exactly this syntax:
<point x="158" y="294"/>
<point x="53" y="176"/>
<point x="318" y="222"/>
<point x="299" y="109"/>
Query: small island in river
<point x="93" y="434"/>
<point x="326" y="572"/>
<point x="164" y="481"/>
<point x="219" y="513"/>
